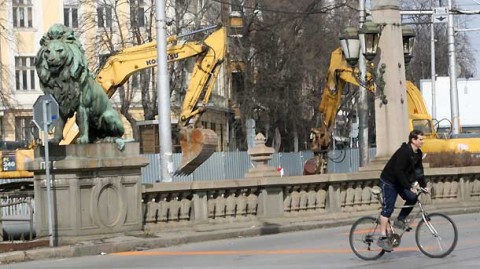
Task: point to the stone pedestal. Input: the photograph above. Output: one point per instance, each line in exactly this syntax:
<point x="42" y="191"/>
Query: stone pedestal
<point x="96" y="190"/>
<point x="260" y="155"/>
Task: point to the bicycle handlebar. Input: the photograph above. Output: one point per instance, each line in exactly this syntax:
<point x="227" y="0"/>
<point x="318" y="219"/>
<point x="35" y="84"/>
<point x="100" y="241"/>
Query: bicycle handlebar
<point x="424" y="190"/>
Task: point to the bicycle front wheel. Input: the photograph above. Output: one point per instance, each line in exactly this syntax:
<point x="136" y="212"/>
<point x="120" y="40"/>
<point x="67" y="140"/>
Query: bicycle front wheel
<point x="437" y="236"/>
<point x="364" y="235"/>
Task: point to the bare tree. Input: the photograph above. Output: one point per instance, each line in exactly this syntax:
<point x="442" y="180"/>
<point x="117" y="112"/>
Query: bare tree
<point x="286" y="47"/>
<point x="5" y="38"/>
<point x="420" y="66"/>
<point x="117" y="28"/>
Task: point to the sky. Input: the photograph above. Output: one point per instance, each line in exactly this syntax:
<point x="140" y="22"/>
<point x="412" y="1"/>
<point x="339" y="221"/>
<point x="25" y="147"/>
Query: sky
<point x="473" y="21"/>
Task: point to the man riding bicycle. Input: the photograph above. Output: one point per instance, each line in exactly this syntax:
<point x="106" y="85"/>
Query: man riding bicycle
<point x="401" y="172"/>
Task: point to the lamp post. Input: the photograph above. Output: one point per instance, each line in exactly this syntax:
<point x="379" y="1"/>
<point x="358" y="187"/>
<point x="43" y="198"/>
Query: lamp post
<point x="352" y="43"/>
<point x="368" y="39"/>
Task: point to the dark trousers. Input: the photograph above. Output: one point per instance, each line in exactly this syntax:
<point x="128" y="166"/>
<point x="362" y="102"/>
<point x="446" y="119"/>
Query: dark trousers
<point x="390" y="193"/>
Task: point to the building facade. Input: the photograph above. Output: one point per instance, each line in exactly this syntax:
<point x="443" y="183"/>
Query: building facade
<point x="103" y="27"/>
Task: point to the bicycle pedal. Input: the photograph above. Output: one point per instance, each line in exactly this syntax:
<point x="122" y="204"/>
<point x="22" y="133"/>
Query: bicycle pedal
<point x="408" y="229"/>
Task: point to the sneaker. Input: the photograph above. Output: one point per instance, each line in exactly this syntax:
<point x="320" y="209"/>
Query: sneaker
<point x="401" y="224"/>
<point x="385" y="244"/>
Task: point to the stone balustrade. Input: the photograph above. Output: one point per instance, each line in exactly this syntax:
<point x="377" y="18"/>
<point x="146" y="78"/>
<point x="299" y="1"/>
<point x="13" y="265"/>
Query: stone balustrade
<point x="173" y="205"/>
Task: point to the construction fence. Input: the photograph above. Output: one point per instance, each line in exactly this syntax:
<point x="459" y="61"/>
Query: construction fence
<point x="234" y="165"/>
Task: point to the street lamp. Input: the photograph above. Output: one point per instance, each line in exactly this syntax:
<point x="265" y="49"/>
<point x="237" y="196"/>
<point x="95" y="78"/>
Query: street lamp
<point x="369" y="36"/>
<point x="350" y="45"/>
<point x="408" y="36"/>
<point x="365" y="38"/>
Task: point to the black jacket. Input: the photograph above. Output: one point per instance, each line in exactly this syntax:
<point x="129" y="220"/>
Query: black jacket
<point x="404" y="168"/>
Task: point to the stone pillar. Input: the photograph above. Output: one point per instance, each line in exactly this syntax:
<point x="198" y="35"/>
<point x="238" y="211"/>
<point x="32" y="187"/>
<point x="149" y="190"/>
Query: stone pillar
<point x="96" y="190"/>
<point x="391" y="120"/>
<point x="200" y="207"/>
<point x="260" y="155"/>
<point x="270" y="200"/>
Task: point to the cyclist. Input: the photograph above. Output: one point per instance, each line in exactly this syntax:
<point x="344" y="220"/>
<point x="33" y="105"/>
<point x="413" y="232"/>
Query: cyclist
<point x="398" y="178"/>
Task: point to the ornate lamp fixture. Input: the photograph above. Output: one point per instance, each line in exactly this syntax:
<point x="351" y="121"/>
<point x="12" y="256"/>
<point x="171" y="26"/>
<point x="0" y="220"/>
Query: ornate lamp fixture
<point x="369" y="35"/>
<point x="350" y="45"/>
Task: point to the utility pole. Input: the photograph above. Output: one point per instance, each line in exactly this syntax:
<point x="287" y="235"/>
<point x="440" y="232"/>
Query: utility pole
<point x="362" y="104"/>
<point x="452" y="63"/>
<point x="432" y="63"/>
<point x="163" y="89"/>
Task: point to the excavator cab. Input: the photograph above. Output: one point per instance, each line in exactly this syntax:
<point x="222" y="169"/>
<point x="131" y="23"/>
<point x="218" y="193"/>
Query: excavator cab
<point x="424" y="125"/>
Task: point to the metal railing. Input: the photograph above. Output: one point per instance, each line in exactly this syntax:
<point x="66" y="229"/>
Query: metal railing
<point x="17" y="207"/>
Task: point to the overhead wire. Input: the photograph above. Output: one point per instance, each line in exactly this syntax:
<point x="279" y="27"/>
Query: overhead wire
<point x="324" y="9"/>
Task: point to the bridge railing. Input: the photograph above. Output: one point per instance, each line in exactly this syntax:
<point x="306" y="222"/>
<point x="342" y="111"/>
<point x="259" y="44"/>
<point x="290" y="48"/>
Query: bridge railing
<point x="183" y="204"/>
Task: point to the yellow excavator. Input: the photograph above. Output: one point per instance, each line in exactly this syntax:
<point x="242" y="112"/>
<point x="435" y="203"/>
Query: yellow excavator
<point x="197" y="144"/>
<point x="14" y="155"/>
<point x="340" y="73"/>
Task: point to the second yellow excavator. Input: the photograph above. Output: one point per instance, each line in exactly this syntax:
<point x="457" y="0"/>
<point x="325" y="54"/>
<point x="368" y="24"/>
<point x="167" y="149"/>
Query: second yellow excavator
<point x="340" y="73"/>
<point x="197" y="144"/>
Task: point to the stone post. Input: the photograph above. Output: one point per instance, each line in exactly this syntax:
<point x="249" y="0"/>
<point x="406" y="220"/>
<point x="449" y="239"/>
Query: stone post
<point x="391" y="119"/>
<point x="270" y="200"/>
<point x="260" y="155"/>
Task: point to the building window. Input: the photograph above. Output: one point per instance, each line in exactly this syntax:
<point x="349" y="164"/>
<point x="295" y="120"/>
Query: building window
<point x="137" y="13"/>
<point x="24" y="73"/>
<point x="23" y="128"/>
<point x="70" y="16"/>
<point x="104" y="15"/>
<point x="22" y="13"/>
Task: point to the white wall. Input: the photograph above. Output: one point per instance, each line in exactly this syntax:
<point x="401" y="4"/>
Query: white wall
<point x="468" y="98"/>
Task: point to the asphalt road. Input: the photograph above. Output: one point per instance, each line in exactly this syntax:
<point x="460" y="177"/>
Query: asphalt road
<point x="324" y="248"/>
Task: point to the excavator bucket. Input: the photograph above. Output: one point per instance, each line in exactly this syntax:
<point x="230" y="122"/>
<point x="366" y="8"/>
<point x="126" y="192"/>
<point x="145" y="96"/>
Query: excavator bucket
<point x="197" y="146"/>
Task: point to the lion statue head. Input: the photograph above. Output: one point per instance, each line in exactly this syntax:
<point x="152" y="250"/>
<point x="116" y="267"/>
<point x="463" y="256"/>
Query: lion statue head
<point x="61" y="66"/>
<point x="63" y="72"/>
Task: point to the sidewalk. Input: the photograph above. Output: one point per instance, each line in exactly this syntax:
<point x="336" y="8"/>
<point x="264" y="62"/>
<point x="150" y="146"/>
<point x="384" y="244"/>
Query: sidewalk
<point x="140" y="241"/>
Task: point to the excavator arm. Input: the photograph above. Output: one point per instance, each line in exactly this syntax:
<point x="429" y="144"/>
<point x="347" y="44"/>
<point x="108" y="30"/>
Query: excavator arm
<point x="119" y="67"/>
<point x="197" y="144"/>
<point x="339" y="73"/>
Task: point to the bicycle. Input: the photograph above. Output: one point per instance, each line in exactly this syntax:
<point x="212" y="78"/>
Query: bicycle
<point x="436" y="234"/>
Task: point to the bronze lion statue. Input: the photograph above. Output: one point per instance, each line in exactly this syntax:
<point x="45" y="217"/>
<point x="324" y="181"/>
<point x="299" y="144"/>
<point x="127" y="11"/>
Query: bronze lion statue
<point x="63" y="72"/>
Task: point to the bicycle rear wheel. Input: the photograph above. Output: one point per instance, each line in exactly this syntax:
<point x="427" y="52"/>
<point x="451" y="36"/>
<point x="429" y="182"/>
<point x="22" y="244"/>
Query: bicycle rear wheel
<point x="436" y="237"/>
<point x="363" y="238"/>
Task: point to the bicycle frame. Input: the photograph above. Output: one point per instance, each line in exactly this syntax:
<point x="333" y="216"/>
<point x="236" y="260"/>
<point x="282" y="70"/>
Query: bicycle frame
<point x="391" y="232"/>
<point x="363" y="244"/>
